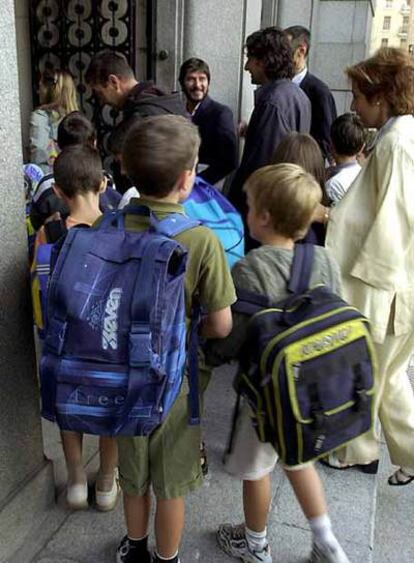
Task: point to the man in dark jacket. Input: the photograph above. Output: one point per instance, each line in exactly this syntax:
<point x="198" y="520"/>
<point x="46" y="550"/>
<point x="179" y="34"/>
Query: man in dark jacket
<point x="215" y="122"/>
<point x="113" y="82"/>
<point x="280" y="107"/>
<point x="323" y="103"/>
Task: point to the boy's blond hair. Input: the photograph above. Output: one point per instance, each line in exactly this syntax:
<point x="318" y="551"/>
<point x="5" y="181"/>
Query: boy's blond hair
<point x="288" y="193"/>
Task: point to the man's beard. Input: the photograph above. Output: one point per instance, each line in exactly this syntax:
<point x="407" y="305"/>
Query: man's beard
<point x="197" y="100"/>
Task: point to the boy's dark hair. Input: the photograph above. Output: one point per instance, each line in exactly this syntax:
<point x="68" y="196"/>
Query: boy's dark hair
<point x="272" y="47"/>
<point x="75" y="129"/>
<point x="78" y="170"/>
<point x="193" y="65"/>
<point x="105" y="63"/>
<point x="348" y="134"/>
<point x="157" y="150"/>
<point x="299" y="35"/>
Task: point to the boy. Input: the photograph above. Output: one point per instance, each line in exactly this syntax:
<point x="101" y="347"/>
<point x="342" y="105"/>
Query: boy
<point x="348" y="141"/>
<point x="78" y="182"/>
<point x="281" y="200"/>
<point x="74" y="129"/>
<point x="160" y="156"/>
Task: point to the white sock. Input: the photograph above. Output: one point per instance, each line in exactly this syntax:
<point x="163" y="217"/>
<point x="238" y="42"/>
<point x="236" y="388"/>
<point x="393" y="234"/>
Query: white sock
<point x="256" y="541"/>
<point x="168" y="558"/>
<point x="321" y="527"/>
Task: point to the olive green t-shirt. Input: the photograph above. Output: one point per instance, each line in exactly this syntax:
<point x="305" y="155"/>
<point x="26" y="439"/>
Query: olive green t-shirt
<point x="207" y="274"/>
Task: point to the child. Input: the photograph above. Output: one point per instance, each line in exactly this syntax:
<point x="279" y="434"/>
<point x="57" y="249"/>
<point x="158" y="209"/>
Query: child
<point x="348" y="140"/>
<point x="303" y="150"/>
<point x="79" y="181"/>
<point x="281" y="200"/>
<point x="160" y="156"/>
<point x="74" y="129"/>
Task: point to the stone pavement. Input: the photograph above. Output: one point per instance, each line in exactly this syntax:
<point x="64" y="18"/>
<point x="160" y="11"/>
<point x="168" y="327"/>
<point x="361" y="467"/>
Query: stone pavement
<point x="357" y="513"/>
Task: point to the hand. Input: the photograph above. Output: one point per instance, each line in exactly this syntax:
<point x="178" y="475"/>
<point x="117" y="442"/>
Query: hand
<point x="321" y="214"/>
<point x="54" y="217"/>
<point x="242" y="128"/>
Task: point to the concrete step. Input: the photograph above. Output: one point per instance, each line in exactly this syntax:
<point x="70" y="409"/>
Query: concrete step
<point x="92" y="537"/>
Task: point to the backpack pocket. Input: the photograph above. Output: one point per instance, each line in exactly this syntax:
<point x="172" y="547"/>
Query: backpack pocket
<point x="324" y="392"/>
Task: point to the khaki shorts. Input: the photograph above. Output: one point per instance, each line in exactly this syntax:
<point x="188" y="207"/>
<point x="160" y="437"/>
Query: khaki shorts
<point x="168" y="459"/>
<point x="251" y="459"/>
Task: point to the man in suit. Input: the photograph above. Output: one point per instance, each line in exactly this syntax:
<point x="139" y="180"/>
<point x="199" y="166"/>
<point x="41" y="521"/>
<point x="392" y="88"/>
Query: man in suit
<point x="218" y="150"/>
<point x="280" y="107"/>
<point x="323" y="103"/>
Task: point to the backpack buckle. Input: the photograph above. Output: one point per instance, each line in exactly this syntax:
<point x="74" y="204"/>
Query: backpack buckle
<point x="140" y="351"/>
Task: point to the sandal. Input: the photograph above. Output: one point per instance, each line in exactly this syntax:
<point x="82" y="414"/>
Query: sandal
<point x="203" y="459"/>
<point x="400" y="478"/>
<point x="333" y="462"/>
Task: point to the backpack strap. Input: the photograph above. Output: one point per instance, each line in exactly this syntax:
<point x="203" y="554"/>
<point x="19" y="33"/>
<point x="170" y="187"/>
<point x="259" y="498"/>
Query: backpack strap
<point x="301" y="269"/>
<point x="175" y="224"/>
<point x="170" y="226"/>
<point x="249" y="302"/>
<point x="194" y="392"/>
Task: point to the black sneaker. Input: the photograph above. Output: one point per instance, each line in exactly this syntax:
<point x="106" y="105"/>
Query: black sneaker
<point x="128" y="553"/>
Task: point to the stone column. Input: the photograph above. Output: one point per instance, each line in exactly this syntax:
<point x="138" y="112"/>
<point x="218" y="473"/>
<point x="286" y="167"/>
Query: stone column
<point x="26" y="480"/>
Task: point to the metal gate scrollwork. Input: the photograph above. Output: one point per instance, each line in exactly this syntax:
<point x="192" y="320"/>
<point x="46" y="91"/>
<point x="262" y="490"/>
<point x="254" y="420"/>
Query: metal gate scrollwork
<point x="66" y="34"/>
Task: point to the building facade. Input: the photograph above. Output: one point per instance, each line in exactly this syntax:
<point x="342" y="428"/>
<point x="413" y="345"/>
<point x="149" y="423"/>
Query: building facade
<point x="393" y="25"/>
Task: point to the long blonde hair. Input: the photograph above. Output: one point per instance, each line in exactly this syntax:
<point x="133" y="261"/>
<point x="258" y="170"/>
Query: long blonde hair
<point x="58" y="92"/>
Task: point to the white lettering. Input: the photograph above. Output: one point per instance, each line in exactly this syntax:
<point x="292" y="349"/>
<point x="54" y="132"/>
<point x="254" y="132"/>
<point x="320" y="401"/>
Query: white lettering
<point x="110" y="324"/>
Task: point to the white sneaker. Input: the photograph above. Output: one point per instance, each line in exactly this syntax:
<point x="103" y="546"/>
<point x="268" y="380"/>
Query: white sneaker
<point x="77" y="496"/>
<point x="324" y="553"/>
<point x="106" y="500"/>
<point x="232" y="540"/>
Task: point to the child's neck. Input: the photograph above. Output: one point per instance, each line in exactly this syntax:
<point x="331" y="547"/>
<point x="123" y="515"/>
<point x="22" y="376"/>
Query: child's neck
<point x="343" y="159"/>
<point x="274" y="239"/>
<point x="172" y="197"/>
<point x="85" y="208"/>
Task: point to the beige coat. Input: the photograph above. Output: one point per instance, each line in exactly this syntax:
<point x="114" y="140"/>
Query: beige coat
<point x="371" y="233"/>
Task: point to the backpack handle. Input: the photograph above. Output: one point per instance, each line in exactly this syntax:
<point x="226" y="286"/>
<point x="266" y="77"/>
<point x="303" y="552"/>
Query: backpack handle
<point x="170" y="226"/>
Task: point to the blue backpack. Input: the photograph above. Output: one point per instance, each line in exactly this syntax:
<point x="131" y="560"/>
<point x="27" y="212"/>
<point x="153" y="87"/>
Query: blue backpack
<point x="308" y="368"/>
<point x="213" y="210"/>
<point x="115" y="347"/>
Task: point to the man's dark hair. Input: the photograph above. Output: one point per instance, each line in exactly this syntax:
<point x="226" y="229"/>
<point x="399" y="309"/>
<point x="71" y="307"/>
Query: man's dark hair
<point x="157" y="150"/>
<point x="348" y="134"/>
<point x="105" y="63"/>
<point x="75" y="129"/>
<point x="272" y="47"/>
<point x="193" y="65"/>
<point x="299" y="35"/>
<point x="78" y="170"/>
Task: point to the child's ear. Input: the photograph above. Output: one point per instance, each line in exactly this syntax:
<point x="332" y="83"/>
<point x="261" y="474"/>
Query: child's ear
<point x="361" y="150"/>
<point x="265" y="219"/>
<point x="103" y="185"/>
<point x="58" y="191"/>
<point x="185" y="183"/>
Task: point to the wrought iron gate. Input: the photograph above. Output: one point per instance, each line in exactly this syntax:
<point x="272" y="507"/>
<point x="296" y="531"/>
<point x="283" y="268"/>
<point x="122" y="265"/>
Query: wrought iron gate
<point x="67" y="33"/>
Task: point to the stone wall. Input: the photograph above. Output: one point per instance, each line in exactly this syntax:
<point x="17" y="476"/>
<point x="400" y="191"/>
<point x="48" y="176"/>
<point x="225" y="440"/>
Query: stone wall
<point x="21" y="451"/>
